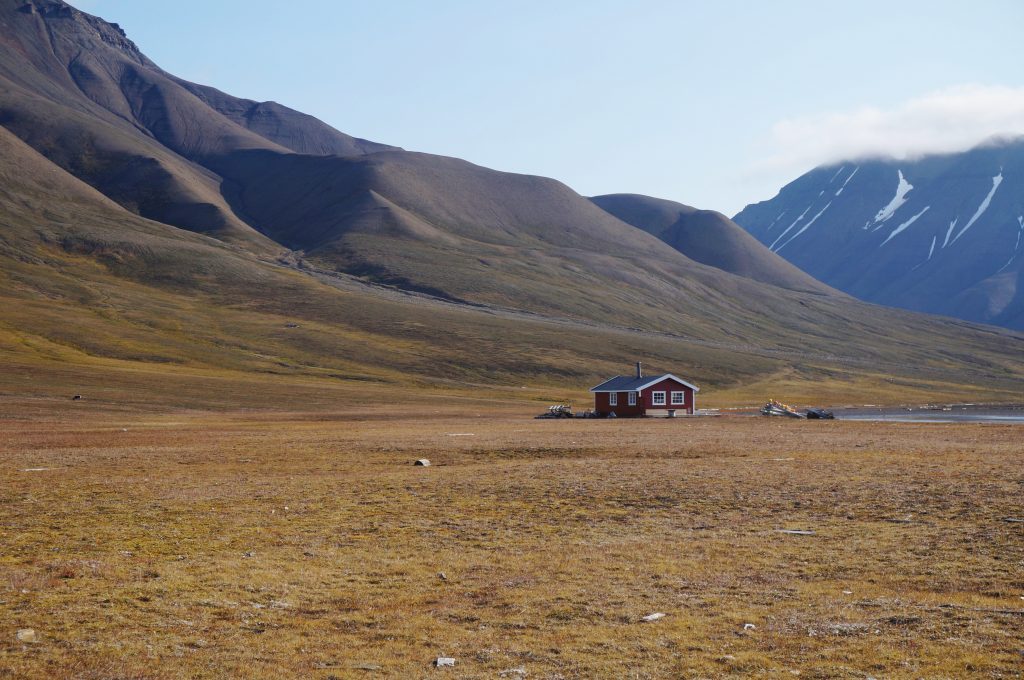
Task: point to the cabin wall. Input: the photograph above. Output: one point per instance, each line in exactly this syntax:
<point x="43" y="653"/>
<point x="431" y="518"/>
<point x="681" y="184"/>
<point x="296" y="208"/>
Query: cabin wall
<point x="623" y="410"/>
<point x="669" y="386"/>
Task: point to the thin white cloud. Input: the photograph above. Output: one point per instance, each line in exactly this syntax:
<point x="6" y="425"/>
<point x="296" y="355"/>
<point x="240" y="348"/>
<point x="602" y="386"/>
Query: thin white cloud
<point x="948" y="120"/>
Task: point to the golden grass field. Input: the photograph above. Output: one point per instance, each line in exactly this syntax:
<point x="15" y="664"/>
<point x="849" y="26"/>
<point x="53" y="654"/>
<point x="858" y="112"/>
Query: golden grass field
<point x="274" y="543"/>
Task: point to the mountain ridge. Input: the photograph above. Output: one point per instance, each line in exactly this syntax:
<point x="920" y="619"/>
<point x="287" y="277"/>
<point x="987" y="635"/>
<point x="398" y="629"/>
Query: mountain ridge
<point x="938" y="234"/>
<point x="708" y="237"/>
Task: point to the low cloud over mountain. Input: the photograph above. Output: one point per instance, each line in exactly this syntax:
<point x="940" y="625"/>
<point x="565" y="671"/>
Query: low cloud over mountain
<point x="944" y="121"/>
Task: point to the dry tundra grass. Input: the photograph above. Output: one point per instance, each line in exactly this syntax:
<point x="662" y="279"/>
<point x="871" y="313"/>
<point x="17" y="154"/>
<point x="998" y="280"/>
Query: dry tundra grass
<point x="190" y="544"/>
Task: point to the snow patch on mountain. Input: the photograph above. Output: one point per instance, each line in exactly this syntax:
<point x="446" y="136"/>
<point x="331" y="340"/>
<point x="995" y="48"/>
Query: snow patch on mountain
<point x="949" y="232"/>
<point x="1016" y="246"/>
<point x="903" y="226"/>
<point x="795" y="222"/>
<point x="902" y="189"/>
<point x="855" y="169"/>
<point x="996" y="181"/>
<point x="776" y="220"/>
<point x="931" y="251"/>
<point x="841" y="168"/>
<point x="805" y="227"/>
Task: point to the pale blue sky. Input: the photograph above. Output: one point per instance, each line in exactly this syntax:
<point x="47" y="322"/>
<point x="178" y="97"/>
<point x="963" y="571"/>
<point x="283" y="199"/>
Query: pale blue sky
<point x="682" y="100"/>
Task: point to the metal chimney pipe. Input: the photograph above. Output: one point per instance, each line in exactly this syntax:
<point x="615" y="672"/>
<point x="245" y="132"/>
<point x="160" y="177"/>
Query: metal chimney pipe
<point x="639" y="370"/>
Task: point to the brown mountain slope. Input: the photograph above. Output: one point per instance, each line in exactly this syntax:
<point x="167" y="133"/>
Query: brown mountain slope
<point x="131" y="169"/>
<point x="76" y="89"/>
<point x="291" y="129"/>
<point x="166" y="149"/>
<point x="95" y="299"/>
<point x="86" y="284"/>
<point x="50" y="219"/>
<point x="78" y="59"/>
<point x="462" y="231"/>
<point x="70" y="86"/>
<point x="708" y="237"/>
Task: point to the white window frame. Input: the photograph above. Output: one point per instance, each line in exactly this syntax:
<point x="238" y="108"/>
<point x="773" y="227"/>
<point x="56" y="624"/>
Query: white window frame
<point x="631" y="399"/>
<point x="613" y="398"/>
<point x="658" y="398"/>
<point x="678" y="398"/>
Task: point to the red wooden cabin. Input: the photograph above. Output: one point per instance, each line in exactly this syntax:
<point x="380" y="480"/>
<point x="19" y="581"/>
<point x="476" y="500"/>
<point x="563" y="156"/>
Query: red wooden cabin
<point x="640" y="395"/>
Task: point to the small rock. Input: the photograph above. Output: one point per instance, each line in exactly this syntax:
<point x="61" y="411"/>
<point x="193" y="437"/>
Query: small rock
<point x="848" y="628"/>
<point x="652" y="617"/>
<point x="443" y="661"/>
<point x="441" y="575"/>
<point x="796" y="532"/>
<point x="847" y="592"/>
<point x="77" y="397"/>
<point x="517" y="672"/>
<point x="749" y="626"/>
<point x="366" y="667"/>
<point x="249" y="553"/>
<point x="27" y="635"/>
<point x="422" y="462"/>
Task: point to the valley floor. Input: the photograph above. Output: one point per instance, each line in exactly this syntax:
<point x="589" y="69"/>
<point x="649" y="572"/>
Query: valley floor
<point x="190" y="544"/>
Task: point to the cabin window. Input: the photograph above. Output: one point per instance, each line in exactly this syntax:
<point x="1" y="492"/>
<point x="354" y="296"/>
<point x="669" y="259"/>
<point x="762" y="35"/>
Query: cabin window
<point x="613" y="399"/>
<point x="632" y="398"/>
<point x="678" y="398"/>
<point x="658" y="398"/>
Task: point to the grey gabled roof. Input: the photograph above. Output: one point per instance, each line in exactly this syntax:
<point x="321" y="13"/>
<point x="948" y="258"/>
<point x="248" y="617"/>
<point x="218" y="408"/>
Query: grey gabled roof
<point x="631" y="383"/>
